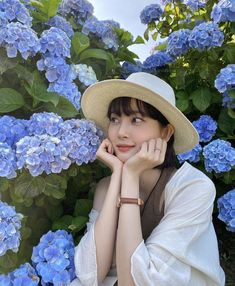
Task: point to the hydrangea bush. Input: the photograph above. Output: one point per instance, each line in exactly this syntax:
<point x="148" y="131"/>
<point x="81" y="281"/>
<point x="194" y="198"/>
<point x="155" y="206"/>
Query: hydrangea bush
<point x="50" y="52"/>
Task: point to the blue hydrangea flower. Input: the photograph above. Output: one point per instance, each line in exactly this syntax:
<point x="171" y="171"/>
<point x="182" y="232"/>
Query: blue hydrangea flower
<point x="85" y="74"/>
<point x="80" y="9"/>
<point x="55" y="42"/>
<point x="10" y="224"/>
<point x="53" y="258"/>
<point x="224" y="82"/>
<point x="61" y="23"/>
<point x="42" y="153"/>
<point x="14" y="10"/>
<point x="226" y="206"/>
<point x="151" y="13"/>
<point x="103" y="30"/>
<point x="195" y="5"/>
<point x="206" y="127"/>
<point x="129" y="68"/>
<point x="44" y="123"/>
<point x="83" y="137"/>
<point x="206" y="35"/>
<point x="18" y="37"/>
<point x="223" y="11"/>
<point x="12" y="129"/>
<point x="219" y="156"/>
<point x="24" y="275"/>
<point x="7" y="161"/>
<point x="157" y="60"/>
<point x="178" y="42"/>
<point x="192" y="155"/>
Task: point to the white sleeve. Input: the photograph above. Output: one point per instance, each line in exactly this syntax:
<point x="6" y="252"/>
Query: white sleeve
<point x="182" y="250"/>
<point x="85" y="256"/>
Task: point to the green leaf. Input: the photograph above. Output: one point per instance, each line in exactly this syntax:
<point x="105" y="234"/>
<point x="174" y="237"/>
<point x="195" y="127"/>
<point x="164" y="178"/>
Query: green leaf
<point x="231" y="93"/>
<point x="226" y="123"/>
<point x="10" y="100"/>
<point x="27" y="186"/>
<point x="80" y="42"/>
<point x="78" y="223"/>
<point x="62" y="223"/>
<point x="83" y="207"/>
<point x="154" y="36"/>
<point x="4" y="184"/>
<point x="24" y="73"/>
<point x="64" y="108"/>
<point x="55" y="186"/>
<point x="5" y="62"/>
<point x="139" y="40"/>
<point x="126" y="36"/>
<point x="229" y="52"/>
<point x="201" y="98"/>
<point x="231" y="113"/>
<point x="182" y="104"/>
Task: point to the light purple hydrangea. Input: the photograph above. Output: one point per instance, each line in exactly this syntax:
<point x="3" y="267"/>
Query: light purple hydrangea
<point x="16" y="37"/>
<point x="55" y="42"/>
<point x="151" y="13"/>
<point x="12" y="11"/>
<point x="219" y="156"/>
<point x="157" y="60"/>
<point x="195" y="5"/>
<point x="61" y="23"/>
<point x="206" y="35"/>
<point x="206" y="127"/>
<point x="53" y="258"/>
<point x="80" y="9"/>
<point x="22" y="276"/>
<point x="7" y="161"/>
<point x="223" y="11"/>
<point x="178" y="43"/>
<point x="192" y="155"/>
<point x="85" y="74"/>
<point x="10" y="224"/>
<point x="226" y="206"/>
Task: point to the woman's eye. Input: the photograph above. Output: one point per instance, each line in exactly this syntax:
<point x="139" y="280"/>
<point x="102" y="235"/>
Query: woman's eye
<point x="137" y="119"/>
<point x="114" y="119"/>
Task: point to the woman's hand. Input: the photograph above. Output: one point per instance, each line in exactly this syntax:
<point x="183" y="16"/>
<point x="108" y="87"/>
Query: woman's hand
<point x="152" y="153"/>
<point x="105" y="155"/>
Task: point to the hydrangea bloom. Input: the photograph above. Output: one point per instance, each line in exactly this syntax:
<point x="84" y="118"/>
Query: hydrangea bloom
<point x="223" y="11"/>
<point x="42" y="153"/>
<point x="18" y="37"/>
<point x="44" y="123"/>
<point x="12" y="129"/>
<point x="103" y="30"/>
<point x="128" y="68"/>
<point x="219" y="156"/>
<point x="206" y="127"/>
<point x="61" y="23"/>
<point x="80" y="9"/>
<point x="53" y="258"/>
<point x="195" y="5"/>
<point x="206" y="35"/>
<point x="178" y="42"/>
<point x="85" y="74"/>
<point x="7" y="161"/>
<point x="10" y="224"/>
<point x="157" y="60"/>
<point x="24" y="275"/>
<point x="192" y="155"/>
<point x="226" y="206"/>
<point x="14" y="10"/>
<point x="55" y="42"/>
<point x="151" y="13"/>
<point x="83" y="137"/>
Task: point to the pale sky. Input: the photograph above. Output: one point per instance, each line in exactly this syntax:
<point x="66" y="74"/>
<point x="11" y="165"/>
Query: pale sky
<point x="126" y="13"/>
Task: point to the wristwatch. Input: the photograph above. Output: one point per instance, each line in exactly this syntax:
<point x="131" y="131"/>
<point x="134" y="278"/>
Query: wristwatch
<point x="137" y="201"/>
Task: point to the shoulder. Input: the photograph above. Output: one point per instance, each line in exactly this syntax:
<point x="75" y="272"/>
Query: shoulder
<point x="100" y="193"/>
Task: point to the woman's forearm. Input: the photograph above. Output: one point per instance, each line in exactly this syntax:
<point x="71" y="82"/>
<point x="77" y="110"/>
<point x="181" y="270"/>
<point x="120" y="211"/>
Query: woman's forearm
<point x="129" y="233"/>
<point x="106" y="227"/>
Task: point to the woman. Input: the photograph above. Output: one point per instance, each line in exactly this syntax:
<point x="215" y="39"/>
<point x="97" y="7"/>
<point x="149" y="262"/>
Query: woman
<point x="150" y="223"/>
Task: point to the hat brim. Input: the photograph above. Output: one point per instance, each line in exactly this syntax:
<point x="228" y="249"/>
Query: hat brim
<point x="96" y="99"/>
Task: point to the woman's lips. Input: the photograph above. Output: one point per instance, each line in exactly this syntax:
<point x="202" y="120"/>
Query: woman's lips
<point x="124" y="148"/>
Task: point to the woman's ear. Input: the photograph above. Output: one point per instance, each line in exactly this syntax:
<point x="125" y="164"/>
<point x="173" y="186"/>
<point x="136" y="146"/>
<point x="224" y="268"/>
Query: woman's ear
<point x="167" y="132"/>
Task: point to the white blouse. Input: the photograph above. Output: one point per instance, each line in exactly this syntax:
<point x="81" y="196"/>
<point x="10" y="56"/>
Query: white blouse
<point x="181" y="251"/>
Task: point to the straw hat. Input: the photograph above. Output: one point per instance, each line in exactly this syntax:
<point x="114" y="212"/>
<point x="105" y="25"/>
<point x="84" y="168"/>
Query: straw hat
<point x="146" y="87"/>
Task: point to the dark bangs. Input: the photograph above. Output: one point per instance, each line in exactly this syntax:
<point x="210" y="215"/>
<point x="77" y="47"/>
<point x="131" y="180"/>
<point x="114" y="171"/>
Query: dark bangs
<point x="122" y="105"/>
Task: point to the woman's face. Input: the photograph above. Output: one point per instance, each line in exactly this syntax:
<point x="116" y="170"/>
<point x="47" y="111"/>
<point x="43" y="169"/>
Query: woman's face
<point x="128" y="132"/>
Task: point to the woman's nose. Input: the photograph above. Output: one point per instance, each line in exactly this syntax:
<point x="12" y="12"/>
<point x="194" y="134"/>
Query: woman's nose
<point x="123" y="130"/>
